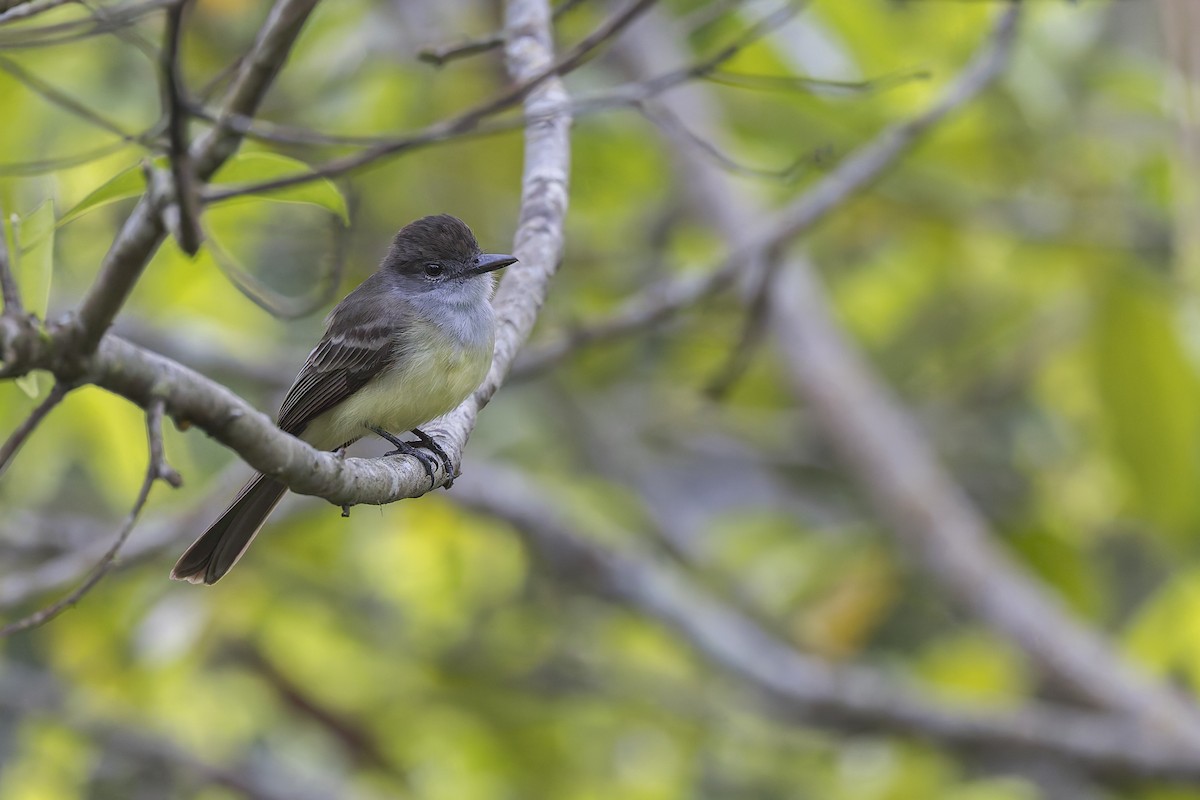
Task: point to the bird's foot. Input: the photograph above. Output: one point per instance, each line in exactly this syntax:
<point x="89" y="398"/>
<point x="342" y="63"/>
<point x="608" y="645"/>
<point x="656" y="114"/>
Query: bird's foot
<point x="345" y="509"/>
<point x="425" y="453"/>
<point x="428" y="443"/>
<point x="403" y="448"/>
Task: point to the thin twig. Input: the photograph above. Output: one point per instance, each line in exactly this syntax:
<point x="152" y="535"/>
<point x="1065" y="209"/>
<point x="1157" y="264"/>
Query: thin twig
<point x="24" y="169"/>
<point x="800" y="689"/>
<point x="438" y="55"/>
<point x="675" y="128"/>
<point x="738" y="361"/>
<point x="911" y="491"/>
<point x="143" y="230"/>
<point x="187" y="225"/>
<point x="798" y="83"/>
<point x="114" y="18"/>
<point x="144" y="377"/>
<point x="852" y="175"/>
<point x="466" y="121"/>
<point x="26" y="428"/>
<point x="471" y="122"/>
<point x="156" y="469"/>
<point x="143" y="757"/>
<point x="56" y="96"/>
<point x="355" y="738"/>
<point x="27" y="10"/>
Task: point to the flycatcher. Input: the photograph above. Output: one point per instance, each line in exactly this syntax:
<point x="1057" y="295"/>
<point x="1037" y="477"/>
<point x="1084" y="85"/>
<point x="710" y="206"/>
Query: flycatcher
<point x="408" y="345"/>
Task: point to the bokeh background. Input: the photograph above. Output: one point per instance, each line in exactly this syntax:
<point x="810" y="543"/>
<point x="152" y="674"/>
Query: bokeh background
<point x="1025" y="281"/>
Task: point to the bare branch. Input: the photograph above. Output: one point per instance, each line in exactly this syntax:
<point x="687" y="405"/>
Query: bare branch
<point x="25" y="691"/>
<point x="472" y="122"/>
<point x="440" y="54"/>
<point x="801" y="689"/>
<point x="357" y="739"/>
<point x="538" y="242"/>
<point x="466" y="121"/>
<point x="911" y="491"/>
<point x="56" y="96"/>
<point x="754" y="330"/>
<point x="26" y="428"/>
<point x="113" y="19"/>
<point x="42" y="166"/>
<point x="143" y="377"/>
<point x="746" y="260"/>
<point x="143" y="230"/>
<point x="78" y="550"/>
<point x="798" y="83"/>
<point x="27" y="10"/>
<point x="674" y="127"/>
<point x="915" y="496"/>
<point x="157" y="469"/>
<point x="187" y="216"/>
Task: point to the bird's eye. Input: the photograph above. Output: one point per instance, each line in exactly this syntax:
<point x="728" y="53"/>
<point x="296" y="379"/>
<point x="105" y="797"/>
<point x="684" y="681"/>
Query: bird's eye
<point x="434" y="270"/>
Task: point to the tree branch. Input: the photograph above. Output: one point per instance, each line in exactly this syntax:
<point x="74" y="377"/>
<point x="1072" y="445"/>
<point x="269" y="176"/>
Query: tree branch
<point x="468" y="120"/>
<point x="28" y="692"/>
<point x="186" y="207"/>
<point x="538" y="242"/>
<point x="143" y="230"/>
<point x="910" y="490"/>
<point x="18" y="437"/>
<point x="26" y="10"/>
<point x="747" y="257"/>
<point x="157" y="469"/>
<point x="801" y="689"/>
<point x="439" y="55"/>
<point x="144" y="377"/>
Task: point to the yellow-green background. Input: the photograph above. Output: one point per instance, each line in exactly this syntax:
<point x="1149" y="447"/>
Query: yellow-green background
<point x="1018" y="280"/>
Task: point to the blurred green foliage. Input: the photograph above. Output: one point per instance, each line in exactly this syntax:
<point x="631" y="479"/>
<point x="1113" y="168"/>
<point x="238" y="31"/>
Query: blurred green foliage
<point x="1014" y="280"/>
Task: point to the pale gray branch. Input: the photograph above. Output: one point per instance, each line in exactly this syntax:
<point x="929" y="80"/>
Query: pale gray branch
<point x="191" y="399"/>
<point x="143" y="230"/>
<point x="157" y="469"/>
<point x="802" y="689"/>
<point x="911" y="491"/>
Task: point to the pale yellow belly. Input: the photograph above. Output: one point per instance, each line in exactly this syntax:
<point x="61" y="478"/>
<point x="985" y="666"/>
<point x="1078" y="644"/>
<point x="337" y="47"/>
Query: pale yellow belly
<point x="403" y="397"/>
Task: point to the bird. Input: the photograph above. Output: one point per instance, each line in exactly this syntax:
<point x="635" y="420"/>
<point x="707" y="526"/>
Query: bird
<point x="409" y="344"/>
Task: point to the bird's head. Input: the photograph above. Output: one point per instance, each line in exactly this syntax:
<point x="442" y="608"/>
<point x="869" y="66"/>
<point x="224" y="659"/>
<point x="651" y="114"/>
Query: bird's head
<point x="439" y="255"/>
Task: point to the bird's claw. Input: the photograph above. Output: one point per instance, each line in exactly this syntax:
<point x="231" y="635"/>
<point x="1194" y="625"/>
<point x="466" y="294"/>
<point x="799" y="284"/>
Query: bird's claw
<point x="428" y="443"/>
<point x="426" y="459"/>
<point x="424" y="453"/>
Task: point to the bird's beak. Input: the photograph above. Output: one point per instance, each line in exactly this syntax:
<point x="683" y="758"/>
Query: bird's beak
<point x="489" y="262"/>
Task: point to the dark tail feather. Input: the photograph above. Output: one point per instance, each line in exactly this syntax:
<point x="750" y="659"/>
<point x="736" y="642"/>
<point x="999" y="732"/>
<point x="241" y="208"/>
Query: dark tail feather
<point x="220" y="547"/>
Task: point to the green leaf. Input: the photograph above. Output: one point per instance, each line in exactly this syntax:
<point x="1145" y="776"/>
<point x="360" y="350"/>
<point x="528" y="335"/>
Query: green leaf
<point x="28" y="384"/>
<point x="125" y="184"/>
<point x="32" y="254"/>
<point x="257" y="167"/>
<point x="1162" y="636"/>
<point x="1150" y="399"/>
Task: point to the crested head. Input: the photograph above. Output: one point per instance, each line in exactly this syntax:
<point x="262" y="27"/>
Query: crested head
<point x="438" y="237"/>
<point x="438" y="255"/>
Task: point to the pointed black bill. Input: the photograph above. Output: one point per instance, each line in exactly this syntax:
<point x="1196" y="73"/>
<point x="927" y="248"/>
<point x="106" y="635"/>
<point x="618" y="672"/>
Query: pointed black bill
<point x="489" y="262"/>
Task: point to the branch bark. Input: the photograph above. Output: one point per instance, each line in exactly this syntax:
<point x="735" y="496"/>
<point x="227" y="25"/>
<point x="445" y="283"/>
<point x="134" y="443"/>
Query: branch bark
<point x="801" y="689"/>
<point x="144" y="377"/>
<point x="144" y="230"/>
<point x="911" y="492"/>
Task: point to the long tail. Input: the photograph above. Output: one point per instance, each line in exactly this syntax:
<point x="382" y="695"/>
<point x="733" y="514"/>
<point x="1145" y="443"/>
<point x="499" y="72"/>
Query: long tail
<point x="220" y="547"/>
